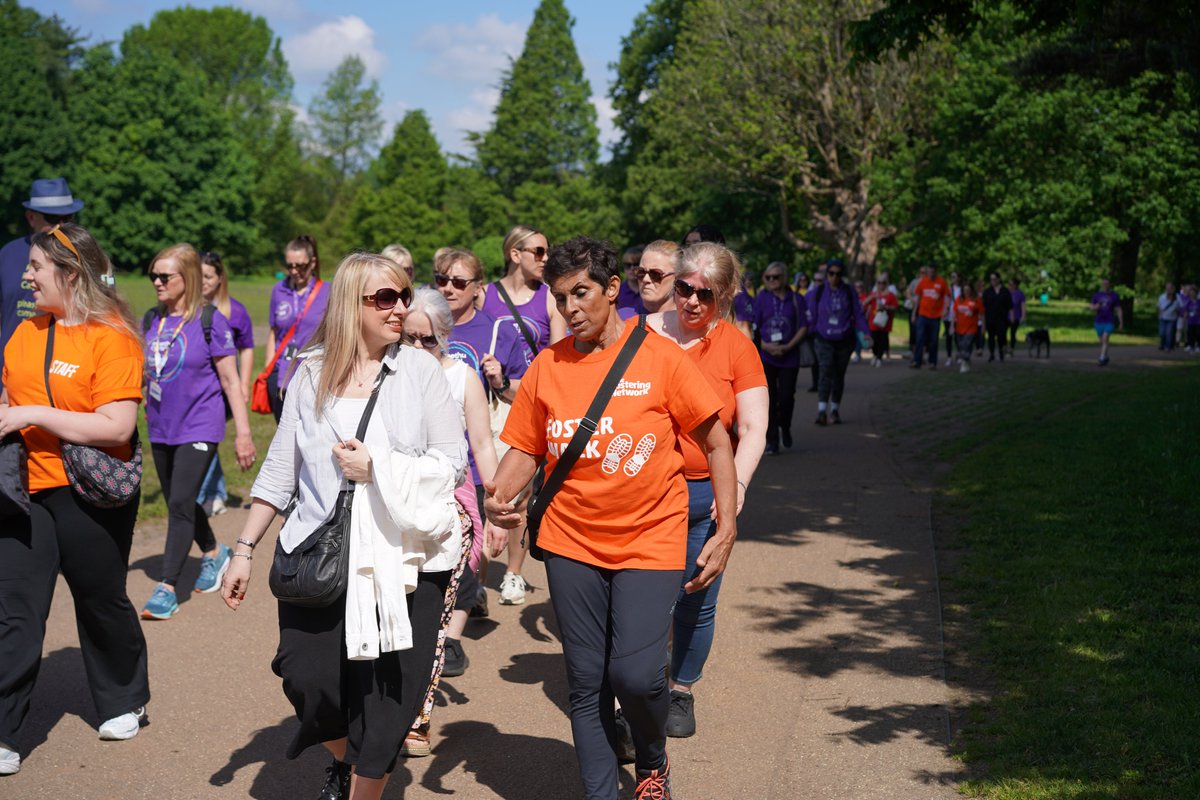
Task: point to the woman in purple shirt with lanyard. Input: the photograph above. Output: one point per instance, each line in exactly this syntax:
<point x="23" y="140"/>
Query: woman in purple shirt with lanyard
<point x="836" y="317"/>
<point x="528" y="298"/>
<point x="296" y="301"/>
<point x="781" y="319"/>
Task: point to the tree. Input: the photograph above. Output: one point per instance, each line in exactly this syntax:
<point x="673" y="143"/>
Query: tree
<point x="158" y="162"/>
<point x="345" y="121"/>
<point x="545" y="124"/>
<point x="760" y="98"/>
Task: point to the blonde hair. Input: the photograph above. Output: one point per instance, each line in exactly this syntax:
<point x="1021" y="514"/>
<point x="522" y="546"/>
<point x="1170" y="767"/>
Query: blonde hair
<point x="515" y="238"/>
<point x="189" y="267"/>
<point x="92" y="295"/>
<point x="720" y="267"/>
<point x="447" y="257"/>
<point x="221" y="298"/>
<point x="398" y="253"/>
<point x="340" y="330"/>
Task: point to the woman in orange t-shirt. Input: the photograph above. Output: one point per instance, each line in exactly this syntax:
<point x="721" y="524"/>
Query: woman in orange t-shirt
<point x="615" y="533"/>
<point x="968" y="321"/>
<point x="705" y="283"/>
<point x="95" y="377"/>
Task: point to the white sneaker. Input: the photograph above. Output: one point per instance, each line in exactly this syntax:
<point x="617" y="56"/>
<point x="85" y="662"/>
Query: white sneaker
<point x="123" y="727"/>
<point x="218" y="507"/>
<point x="10" y="761"/>
<point x="963" y="367"/>
<point x="512" y="589"/>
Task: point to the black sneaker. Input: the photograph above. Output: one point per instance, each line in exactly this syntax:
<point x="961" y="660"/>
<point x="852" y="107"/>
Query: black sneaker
<point x="822" y="418"/>
<point x="836" y="417"/>
<point x="681" y="717"/>
<point x="480" y="609"/>
<point x="654" y="785"/>
<point x="456" y="659"/>
<point x="787" y="439"/>
<point x="337" y="782"/>
<point x="626" y="754"/>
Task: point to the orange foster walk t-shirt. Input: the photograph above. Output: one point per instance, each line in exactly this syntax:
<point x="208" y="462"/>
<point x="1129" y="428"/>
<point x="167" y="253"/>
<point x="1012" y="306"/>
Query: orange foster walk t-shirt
<point x="93" y="364"/>
<point x="624" y="503"/>
<point x="931" y="297"/>
<point x="729" y="361"/>
<point x="967" y="315"/>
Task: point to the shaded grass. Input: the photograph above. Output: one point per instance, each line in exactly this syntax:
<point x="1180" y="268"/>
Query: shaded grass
<point x="1078" y="565"/>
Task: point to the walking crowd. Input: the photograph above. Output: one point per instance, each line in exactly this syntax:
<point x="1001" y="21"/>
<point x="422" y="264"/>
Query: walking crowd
<point x="422" y="432"/>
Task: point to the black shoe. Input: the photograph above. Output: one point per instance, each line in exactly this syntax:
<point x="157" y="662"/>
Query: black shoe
<point x="822" y="418"/>
<point x="835" y="417"/>
<point x="456" y="660"/>
<point x="480" y="609"/>
<point x="681" y="717"/>
<point x="772" y="449"/>
<point x="337" y="782"/>
<point x="626" y="754"/>
<point x="787" y="439"/>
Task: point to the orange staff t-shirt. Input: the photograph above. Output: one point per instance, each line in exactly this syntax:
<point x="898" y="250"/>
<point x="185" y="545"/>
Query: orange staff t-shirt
<point x="931" y="297"/>
<point x="624" y="504"/>
<point x="730" y="362"/>
<point x="93" y="365"/>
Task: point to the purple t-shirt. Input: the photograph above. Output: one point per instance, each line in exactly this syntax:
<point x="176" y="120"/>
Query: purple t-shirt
<point x="629" y="302"/>
<point x="533" y="312"/>
<point x="286" y="307"/>
<point x="243" y="328"/>
<point x="743" y="306"/>
<point x="1191" y="309"/>
<point x="1018" y="307"/>
<point x="183" y="392"/>
<point x="777" y="321"/>
<point x="834" y="313"/>
<point x="1106" y="303"/>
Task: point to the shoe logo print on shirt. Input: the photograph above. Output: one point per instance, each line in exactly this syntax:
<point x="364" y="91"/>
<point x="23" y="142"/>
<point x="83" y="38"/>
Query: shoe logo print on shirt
<point x="618" y="448"/>
<point x="641" y="454"/>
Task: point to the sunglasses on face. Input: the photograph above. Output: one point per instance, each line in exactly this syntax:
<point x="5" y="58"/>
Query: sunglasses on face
<point x="834" y="274"/>
<point x="772" y="277"/>
<point x="386" y="298"/>
<point x="298" y="267"/>
<point x="457" y="283"/>
<point x="686" y="290"/>
<point x="162" y="277"/>
<point x="427" y="342"/>
<point x="656" y="275"/>
<point x="538" y="252"/>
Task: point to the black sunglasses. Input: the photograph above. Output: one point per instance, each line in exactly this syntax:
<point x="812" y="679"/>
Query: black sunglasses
<point x="685" y="290"/>
<point x="298" y="267"/>
<point x="656" y="275"/>
<point x="162" y="277"/>
<point x="772" y="277"/>
<point x="538" y="252"/>
<point x="428" y="342"/>
<point x="834" y="273"/>
<point x="458" y="283"/>
<point x="386" y="298"/>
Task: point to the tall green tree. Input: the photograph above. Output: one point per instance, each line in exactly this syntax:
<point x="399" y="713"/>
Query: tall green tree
<point x="345" y="121"/>
<point x="544" y="130"/>
<point x="158" y="161"/>
<point x="37" y="55"/>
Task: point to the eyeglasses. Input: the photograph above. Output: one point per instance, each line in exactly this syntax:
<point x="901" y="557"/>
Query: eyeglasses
<point x="428" y="342"/>
<point x="656" y="275"/>
<point x="772" y="277"/>
<point x="631" y="265"/>
<point x="162" y="277"/>
<point x="386" y="298"/>
<point x="538" y="252"/>
<point x="298" y="267"/>
<point x="56" y="231"/>
<point x="457" y="283"/>
<point x="685" y="290"/>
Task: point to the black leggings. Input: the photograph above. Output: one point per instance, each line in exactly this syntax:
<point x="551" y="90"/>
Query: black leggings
<point x="879" y="343"/>
<point x="948" y="334"/>
<point x="1012" y="335"/>
<point x="181" y="469"/>
<point x="781" y="394"/>
<point x="274" y="396"/>
<point x="91" y="548"/>
<point x="996" y="334"/>
<point x="834" y="357"/>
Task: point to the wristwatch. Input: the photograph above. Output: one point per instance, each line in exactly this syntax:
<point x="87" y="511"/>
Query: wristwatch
<point x="504" y="386"/>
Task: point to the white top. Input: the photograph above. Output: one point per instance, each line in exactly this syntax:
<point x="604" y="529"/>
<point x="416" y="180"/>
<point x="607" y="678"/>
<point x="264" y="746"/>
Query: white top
<point x="1168" y="308"/>
<point x="457" y="374"/>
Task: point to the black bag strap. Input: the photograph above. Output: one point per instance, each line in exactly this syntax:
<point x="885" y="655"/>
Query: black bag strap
<point x="529" y="340"/>
<point x="206" y="320"/>
<point x="49" y="359"/>
<point x="384" y="371"/>
<point x="589" y="423"/>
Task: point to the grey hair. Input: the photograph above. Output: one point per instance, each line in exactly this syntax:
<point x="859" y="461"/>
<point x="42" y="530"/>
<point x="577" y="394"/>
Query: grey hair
<point x="431" y="303"/>
<point x="398" y="253"/>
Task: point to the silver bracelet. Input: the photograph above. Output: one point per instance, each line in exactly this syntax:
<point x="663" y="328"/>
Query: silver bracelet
<point x="739" y="483"/>
<point x="251" y="545"/>
<point x="246" y="556"/>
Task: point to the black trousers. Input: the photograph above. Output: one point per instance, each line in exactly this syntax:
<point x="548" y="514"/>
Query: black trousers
<point x="948" y="335"/>
<point x="274" y="396"/>
<point x="614" y="626"/>
<point x="1012" y="335"/>
<point x="91" y="548"/>
<point x="181" y="469"/>
<point x="879" y="343"/>
<point x="997" y="333"/>
<point x="833" y="356"/>
<point x="781" y="394"/>
<point x="371" y="703"/>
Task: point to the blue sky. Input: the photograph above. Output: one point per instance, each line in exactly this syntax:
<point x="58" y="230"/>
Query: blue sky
<point x="445" y="58"/>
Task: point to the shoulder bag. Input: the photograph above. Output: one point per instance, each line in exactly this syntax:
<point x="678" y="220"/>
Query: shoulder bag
<point x="14" y="476"/>
<point x="315" y="573"/>
<point x="260" y="401"/>
<point x="587" y="426"/>
<point x="100" y="479"/>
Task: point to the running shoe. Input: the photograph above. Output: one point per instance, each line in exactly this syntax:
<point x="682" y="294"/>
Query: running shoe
<point x="10" y="761"/>
<point x="822" y="418"/>
<point x="512" y="589"/>
<point x="456" y="660"/>
<point x="337" y="782"/>
<point x="480" y="609"/>
<point x="161" y="605"/>
<point x="835" y="417"/>
<point x="218" y="507"/>
<point x="212" y="569"/>
<point x="681" y="715"/>
<point x="772" y="449"/>
<point x="787" y="438"/>
<point x="654" y="785"/>
<point x="126" y="726"/>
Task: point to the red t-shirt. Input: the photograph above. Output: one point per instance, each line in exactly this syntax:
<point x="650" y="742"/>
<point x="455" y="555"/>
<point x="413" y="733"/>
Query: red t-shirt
<point x="875" y="302"/>
<point x="624" y="504"/>
<point x="931" y="297"/>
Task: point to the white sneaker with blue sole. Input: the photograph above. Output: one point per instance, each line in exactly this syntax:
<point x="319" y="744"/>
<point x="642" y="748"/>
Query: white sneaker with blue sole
<point x="212" y="569"/>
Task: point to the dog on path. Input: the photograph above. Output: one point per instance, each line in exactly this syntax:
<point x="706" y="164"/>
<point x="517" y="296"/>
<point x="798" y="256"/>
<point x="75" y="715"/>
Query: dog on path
<point x="1038" y="338"/>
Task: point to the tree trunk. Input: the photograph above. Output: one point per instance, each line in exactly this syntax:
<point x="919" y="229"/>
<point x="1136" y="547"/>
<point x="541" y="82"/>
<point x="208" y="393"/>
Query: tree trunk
<point x="1125" y="267"/>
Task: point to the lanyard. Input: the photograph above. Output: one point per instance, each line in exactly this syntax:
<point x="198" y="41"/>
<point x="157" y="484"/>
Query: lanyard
<point x="160" y="354"/>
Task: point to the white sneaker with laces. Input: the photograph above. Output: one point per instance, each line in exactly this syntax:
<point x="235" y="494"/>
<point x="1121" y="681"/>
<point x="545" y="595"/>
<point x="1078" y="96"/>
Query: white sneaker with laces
<point x="123" y="727"/>
<point x="512" y="589"/>
<point x="10" y="761"/>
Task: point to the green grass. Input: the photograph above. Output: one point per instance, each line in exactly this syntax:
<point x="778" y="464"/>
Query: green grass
<point x="255" y="294"/>
<point x="1077" y="571"/>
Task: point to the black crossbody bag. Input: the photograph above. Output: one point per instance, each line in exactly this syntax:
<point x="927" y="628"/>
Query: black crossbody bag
<point x="315" y="573"/>
<point x="587" y="426"/>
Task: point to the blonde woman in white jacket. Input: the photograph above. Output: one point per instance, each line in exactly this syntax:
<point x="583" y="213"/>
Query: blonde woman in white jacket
<point x="356" y="671"/>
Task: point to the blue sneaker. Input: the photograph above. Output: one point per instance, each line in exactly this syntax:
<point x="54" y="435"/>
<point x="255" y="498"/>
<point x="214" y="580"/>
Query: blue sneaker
<point x="212" y="569"/>
<point x="161" y="604"/>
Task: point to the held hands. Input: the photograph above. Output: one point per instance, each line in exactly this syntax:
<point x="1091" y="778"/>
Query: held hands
<point x="233" y="585"/>
<point x="497" y="539"/>
<point x="354" y="460"/>
<point x="500" y="513"/>
<point x="246" y="452"/>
